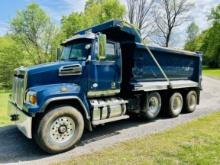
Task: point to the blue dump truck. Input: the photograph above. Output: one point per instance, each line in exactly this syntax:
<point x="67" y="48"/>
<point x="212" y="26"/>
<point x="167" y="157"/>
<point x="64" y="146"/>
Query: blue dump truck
<point x="103" y="74"/>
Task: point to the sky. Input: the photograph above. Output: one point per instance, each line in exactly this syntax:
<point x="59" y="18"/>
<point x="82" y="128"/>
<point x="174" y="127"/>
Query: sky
<point x="57" y="8"/>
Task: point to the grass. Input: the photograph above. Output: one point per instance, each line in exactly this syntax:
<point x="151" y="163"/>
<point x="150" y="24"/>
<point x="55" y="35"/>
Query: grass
<point x="214" y="73"/>
<point x="4" y="119"/>
<point x="196" y="142"/>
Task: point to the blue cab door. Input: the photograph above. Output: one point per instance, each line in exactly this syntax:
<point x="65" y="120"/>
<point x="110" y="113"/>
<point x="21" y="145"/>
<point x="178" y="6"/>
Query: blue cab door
<point x="105" y="75"/>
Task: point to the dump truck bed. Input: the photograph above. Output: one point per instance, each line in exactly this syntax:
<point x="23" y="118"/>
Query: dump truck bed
<point x="182" y="68"/>
<point x="177" y="65"/>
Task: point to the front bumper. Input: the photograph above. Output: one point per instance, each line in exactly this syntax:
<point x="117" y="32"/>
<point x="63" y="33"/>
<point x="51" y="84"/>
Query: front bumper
<point x="22" y="120"/>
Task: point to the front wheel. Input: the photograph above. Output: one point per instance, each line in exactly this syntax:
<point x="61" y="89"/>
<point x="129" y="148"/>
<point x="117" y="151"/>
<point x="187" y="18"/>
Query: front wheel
<point x="59" y="129"/>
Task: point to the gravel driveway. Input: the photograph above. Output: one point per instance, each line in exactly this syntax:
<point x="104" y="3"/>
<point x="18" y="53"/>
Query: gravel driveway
<point x="15" y="148"/>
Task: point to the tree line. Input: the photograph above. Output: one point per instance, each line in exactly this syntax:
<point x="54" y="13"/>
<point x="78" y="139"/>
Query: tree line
<point x="33" y="37"/>
<point x="208" y="41"/>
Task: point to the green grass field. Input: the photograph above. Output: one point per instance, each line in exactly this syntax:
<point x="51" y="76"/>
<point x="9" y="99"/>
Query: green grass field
<point x="4" y="119"/>
<point x="214" y="73"/>
<point x="196" y="142"/>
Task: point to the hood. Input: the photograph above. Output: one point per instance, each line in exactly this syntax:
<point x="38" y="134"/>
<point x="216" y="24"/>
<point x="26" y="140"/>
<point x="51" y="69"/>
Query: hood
<point x="45" y="74"/>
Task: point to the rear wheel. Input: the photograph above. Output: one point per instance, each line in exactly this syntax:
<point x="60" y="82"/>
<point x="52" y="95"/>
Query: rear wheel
<point x="152" y="106"/>
<point x="190" y="101"/>
<point x="59" y="129"/>
<point x="175" y="104"/>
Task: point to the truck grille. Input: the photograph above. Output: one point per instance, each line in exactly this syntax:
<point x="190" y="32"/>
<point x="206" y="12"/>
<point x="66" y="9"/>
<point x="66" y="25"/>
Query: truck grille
<point x="19" y="86"/>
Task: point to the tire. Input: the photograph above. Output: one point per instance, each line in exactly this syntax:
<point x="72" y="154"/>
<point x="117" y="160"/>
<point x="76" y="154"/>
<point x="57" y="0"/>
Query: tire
<point x="152" y="106"/>
<point x="59" y="129"/>
<point x="190" y="101"/>
<point x="175" y="104"/>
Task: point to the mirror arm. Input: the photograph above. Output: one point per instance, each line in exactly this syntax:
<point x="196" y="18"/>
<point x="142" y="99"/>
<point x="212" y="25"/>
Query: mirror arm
<point x="89" y="59"/>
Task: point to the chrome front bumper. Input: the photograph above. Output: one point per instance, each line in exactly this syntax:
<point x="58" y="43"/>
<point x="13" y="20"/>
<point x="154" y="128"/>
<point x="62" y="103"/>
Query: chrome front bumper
<point x="22" y="121"/>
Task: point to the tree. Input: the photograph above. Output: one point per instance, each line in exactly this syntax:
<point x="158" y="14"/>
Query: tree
<point x="11" y="56"/>
<point x="212" y="51"/>
<point x="168" y="15"/>
<point x="208" y="41"/>
<point x="215" y="15"/>
<point x="73" y="22"/>
<point x="33" y="29"/>
<point x="140" y="14"/>
<point x="96" y="11"/>
<point x="110" y="9"/>
<point x="192" y="32"/>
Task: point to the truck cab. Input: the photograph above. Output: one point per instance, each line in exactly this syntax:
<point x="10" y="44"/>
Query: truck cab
<point x="103" y="74"/>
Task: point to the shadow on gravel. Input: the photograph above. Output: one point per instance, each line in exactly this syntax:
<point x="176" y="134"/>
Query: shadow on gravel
<point x="111" y="129"/>
<point x="16" y="147"/>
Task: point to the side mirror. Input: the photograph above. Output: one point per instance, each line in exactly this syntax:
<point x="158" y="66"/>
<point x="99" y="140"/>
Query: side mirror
<point x="102" y="44"/>
<point x="59" y="53"/>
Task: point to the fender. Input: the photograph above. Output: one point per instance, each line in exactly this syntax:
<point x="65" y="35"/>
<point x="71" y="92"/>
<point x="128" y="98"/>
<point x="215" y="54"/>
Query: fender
<point x="43" y="108"/>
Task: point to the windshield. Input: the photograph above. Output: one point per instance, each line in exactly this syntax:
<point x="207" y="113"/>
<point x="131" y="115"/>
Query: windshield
<point x="77" y="50"/>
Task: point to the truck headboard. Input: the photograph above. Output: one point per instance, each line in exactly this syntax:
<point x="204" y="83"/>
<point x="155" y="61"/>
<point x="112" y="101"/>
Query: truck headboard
<point x="116" y="30"/>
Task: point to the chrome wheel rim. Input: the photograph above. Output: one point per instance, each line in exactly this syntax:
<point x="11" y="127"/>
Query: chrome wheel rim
<point x="153" y="104"/>
<point x="62" y="129"/>
<point x="192" y="101"/>
<point x="177" y="104"/>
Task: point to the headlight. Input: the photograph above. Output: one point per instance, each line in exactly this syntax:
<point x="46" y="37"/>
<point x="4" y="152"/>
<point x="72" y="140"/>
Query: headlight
<point x="31" y="97"/>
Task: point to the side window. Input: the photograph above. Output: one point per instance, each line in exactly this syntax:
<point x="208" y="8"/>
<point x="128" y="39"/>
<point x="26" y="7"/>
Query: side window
<point x="110" y="51"/>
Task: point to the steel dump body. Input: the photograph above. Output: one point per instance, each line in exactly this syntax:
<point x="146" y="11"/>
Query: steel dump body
<point x="177" y="65"/>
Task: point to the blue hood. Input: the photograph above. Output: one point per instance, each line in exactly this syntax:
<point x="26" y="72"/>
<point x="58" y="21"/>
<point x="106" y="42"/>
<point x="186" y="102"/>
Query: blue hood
<point x="45" y="74"/>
